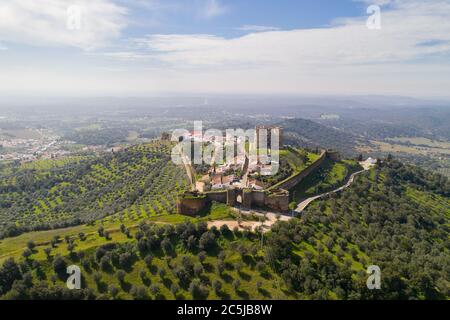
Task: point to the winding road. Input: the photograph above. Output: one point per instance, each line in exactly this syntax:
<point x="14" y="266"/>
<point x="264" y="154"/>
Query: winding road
<point x="271" y="218"/>
<point x="305" y="203"/>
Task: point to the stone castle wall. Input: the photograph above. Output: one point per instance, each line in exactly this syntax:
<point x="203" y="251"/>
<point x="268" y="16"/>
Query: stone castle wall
<point x="191" y="206"/>
<point x="276" y="198"/>
<point x="217" y="196"/>
<point x="278" y="202"/>
<point x="293" y="181"/>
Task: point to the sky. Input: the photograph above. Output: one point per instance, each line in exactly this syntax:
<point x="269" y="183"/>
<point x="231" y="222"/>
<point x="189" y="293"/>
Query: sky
<point x="125" y="48"/>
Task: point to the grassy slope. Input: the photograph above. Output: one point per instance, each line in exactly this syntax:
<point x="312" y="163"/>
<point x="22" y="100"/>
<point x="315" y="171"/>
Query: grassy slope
<point x="329" y="177"/>
<point x="13" y="247"/>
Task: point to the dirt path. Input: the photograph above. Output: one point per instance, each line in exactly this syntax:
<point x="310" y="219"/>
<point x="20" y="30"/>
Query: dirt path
<point x="270" y="218"/>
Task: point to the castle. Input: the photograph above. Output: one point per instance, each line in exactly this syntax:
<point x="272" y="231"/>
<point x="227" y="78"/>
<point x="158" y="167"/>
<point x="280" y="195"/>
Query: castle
<point x="275" y="198"/>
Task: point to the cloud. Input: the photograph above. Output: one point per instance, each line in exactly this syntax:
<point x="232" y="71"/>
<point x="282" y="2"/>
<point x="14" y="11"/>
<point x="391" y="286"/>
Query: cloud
<point x="45" y="22"/>
<point x="350" y="42"/>
<point x="255" y="28"/>
<point x="213" y="8"/>
<point x="409" y="55"/>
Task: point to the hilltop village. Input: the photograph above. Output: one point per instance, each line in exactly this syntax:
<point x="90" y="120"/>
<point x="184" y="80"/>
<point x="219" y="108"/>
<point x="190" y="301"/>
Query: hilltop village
<point x="238" y="183"/>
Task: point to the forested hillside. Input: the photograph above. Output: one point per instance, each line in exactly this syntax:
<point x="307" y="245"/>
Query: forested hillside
<point x="395" y="216"/>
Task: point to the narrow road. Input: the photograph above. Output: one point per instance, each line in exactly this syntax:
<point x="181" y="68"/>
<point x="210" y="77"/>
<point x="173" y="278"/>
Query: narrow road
<point x="305" y="203"/>
<point x="272" y="217"/>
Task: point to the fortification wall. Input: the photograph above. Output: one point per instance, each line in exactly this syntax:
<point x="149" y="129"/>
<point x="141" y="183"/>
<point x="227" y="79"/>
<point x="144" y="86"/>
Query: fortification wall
<point x="217" y="196"/>
<point x="278" y="202"/>
<point x="247" y="199"/>
<point x="259" y="198"/>
<point x="275" y="198"/>
<point x="292" y="181"/>
<point x="191" y="206"/>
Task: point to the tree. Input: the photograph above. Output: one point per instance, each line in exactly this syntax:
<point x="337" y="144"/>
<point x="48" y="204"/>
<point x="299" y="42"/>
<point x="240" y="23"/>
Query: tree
<point x="166" y="245"/>
<point x="125" y="259"/>
<point x="198" y="270"/>
<point x="113" y="291"/>
<point x="99" y="253"/>
<point x="28" y="279"/>
<point x="260" y="266"/>
<point x="27" y="253"/>
<point x="71" y="247"/>
<point x="191" y="242"/>
<point x="222" y="255"/>
<point x="161" y="272"/>
<point x="236" y="284"/>
<point x="220" y="267"/>
<point x="142" y="245"/>
<point x="139" y="292"/>
<point x="59" y="265"/>
<point x="54" y="241"/>
<point x="31" y="245"/>
<point x="47" y="252"/>
<point x="9" y="272"/>
<point x="154" y="289"/>
<point x="258" y="285"/>
<point x="174" y="288"/>
<point x="80" y="255"/>
<point x="105" y="263"/>
<point x="148" y="260"/>
<point x="224" y="230"/>
<point x="207" y="241"/>
<point x="97" y="278"/>
<point x="202" y="256"/>
<point x="196" y="290"/>
<point x="101" y="231"/>
<point x="121" y="276"/>
<point x="217" y="286"/>
<point x="143" y="275"/>
<point x="238" y="266"/>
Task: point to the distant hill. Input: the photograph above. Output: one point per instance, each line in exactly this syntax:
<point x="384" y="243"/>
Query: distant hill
<point x="307" y="133"/>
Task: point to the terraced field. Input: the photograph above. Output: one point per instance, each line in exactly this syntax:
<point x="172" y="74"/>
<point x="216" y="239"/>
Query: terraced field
<point x="136" y="183"/>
